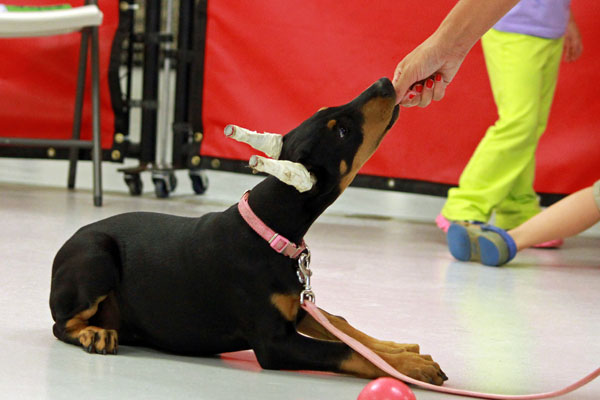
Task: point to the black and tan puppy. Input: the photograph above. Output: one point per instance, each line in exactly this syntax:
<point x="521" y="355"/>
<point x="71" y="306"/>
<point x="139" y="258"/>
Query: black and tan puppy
<point x="209" y="285"/>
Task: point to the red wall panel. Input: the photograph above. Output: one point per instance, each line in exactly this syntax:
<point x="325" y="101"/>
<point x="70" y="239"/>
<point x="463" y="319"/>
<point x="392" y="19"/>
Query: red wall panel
<point x="38" y="79"/>
<point x="271" y="64"/>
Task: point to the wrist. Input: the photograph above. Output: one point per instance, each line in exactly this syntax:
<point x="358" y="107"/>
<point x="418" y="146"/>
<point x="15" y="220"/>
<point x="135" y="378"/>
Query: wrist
<point x="455" y="42"/>
<point x="469" y="20"/>
<point x="456" y="36"/>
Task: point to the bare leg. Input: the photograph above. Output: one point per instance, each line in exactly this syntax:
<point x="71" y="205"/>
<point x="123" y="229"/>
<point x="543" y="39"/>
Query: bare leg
<point x="568" y="217"/>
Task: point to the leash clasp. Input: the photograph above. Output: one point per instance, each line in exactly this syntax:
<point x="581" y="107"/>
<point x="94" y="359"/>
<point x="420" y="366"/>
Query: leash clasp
<point x="304" y="274"/>
<point x="307" y="295"/>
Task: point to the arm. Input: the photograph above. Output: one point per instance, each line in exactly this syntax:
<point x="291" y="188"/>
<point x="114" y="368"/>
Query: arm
<point x="439" y="57"/>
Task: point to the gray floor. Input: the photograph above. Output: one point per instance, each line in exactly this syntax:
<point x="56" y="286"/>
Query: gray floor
<point x="378" y="260"/>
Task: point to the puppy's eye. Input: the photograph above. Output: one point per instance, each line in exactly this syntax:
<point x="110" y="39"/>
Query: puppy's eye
<point x="341" y="131"/>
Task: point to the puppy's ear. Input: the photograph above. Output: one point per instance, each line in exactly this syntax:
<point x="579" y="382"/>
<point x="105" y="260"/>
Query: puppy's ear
<point x="268" y="143"/>
<point x="291" y="173"/>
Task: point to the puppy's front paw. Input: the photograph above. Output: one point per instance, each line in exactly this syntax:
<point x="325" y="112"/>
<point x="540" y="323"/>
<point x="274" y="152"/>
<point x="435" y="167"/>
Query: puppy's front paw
<point x="417" y="366"/>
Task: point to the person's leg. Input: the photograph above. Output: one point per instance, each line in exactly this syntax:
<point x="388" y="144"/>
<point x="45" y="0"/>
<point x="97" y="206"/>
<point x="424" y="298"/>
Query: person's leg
<point x="568" y="217"/>
<point x="508" y="146"/>
<point x="522" y="203"/>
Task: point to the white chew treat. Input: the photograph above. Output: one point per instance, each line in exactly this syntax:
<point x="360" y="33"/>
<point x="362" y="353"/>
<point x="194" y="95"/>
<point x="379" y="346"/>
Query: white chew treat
<point x="268" y="143"/>
<point x="291" y="173"/>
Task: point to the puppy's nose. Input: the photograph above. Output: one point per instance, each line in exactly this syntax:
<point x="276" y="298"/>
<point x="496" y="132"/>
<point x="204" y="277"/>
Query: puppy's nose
<point x="385" y="88"/>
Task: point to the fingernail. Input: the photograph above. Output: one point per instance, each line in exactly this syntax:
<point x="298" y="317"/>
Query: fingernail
<point x="429" y="83"/>
<point x="408" y="97"/>
<point x="438" y="77"/>
<point x="419" y="88"/>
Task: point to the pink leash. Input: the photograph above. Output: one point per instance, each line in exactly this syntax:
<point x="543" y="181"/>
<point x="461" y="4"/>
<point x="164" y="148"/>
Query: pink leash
<point x="283" y="246"/>
<point x="312" y="309"/>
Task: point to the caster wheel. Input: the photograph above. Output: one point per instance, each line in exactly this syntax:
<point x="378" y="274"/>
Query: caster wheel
<point x="160" y="188"/>
<point x="165" y="182"/>
<point x="134" y="183"/>
<point x="172" y="182"/>
<point x="199" y="181"/>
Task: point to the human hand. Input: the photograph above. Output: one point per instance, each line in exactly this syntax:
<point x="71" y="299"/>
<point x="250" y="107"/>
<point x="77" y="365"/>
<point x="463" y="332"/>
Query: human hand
<point x="572" y="46"/>
<point x="424" y="74"/>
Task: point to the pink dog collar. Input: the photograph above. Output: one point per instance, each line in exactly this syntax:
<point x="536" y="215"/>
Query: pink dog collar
<point x="277" y="242"/>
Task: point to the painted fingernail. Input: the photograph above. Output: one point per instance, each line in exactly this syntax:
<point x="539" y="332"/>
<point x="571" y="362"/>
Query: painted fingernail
<point x="411" y="96"/>
<point x="419" y="88"/>
<point x="429" y="83"/>
<point x="438" y="77"/>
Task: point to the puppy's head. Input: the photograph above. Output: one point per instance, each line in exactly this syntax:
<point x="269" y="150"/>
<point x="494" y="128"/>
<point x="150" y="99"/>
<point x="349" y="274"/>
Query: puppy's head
<point x="336" y="142"/>
<point x="323" y="154"/>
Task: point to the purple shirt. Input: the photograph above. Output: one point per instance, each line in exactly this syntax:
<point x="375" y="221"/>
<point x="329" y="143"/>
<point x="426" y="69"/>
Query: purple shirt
<point x="542" y="18"/>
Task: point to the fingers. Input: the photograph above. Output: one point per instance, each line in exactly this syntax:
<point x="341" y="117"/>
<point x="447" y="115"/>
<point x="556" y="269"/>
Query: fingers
<point x="403" y="81"/>
<point x="573" y="46"/>
<point x="439" y="90"/>
<point x="426" y="95"/>
<point x="572" y="50"/>
<point x="423" y="93"/>
<point x="569" y="51"/>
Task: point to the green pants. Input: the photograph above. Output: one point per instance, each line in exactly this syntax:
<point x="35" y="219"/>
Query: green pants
<point x="523" y="71"/>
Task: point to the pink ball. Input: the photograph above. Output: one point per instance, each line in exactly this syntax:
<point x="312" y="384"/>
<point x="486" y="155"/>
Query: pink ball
<point x="386" y="389"/>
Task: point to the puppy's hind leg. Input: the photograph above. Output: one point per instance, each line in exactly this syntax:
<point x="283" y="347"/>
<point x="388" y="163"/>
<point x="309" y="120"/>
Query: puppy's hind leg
<point x="80" y="330"/>
<point x="84" y="275"/>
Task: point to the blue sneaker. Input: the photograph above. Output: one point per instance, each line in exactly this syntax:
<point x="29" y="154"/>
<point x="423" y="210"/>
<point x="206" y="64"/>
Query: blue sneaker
<point x="487" y="244"/>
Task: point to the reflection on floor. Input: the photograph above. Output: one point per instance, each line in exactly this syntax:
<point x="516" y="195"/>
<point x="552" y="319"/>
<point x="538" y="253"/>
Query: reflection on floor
<point x="378" y="260"/>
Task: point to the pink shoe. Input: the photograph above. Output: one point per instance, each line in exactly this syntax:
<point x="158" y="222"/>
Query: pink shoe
<point x="442" y="223"/>
<point x="550" y="244"/>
